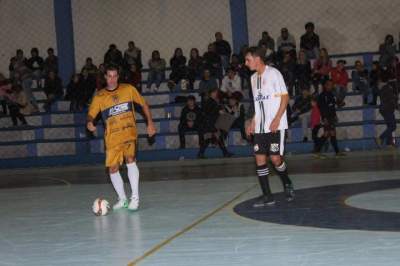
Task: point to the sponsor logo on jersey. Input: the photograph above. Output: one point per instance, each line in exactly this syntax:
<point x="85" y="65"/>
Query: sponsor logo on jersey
<point x="274" y="147"/>
<point x="261" y="97"/>
<point x="118" y="109"/>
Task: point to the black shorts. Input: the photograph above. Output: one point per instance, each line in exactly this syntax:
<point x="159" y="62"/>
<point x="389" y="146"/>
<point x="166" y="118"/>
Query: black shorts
<point x="270" y="143"/>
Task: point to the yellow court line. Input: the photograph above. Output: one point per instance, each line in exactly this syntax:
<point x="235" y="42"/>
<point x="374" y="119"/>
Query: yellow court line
<point x="188" y="228"/>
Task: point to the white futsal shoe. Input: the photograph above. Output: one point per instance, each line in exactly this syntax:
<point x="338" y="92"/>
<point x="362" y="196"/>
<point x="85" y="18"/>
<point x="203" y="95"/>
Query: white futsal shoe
<point x="120" y="204"/>
<point x="134" y="204"/>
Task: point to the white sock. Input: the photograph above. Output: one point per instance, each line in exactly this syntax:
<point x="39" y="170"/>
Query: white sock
<point x="133" y="175"/>
<point x="118" y="184"/>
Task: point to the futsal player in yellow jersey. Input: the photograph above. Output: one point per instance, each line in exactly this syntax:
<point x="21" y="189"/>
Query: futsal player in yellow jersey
<point x="116" y="105"/>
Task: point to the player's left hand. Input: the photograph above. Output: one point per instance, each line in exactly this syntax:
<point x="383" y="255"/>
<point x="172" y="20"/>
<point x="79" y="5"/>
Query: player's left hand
<point x="151" y="129"/>
<point x="274" y="125"/>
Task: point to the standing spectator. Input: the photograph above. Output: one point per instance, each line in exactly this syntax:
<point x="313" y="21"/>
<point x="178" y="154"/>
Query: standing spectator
<point x="315" y="123"/>
<point x="133" y="56"/>
<point x="387" y="51"/>
<point x="301" y="110"/>
<point x="17" y="101"/>
<point x="340" y="78"/>
<point x="156" y="70"/>
<point x="23" y="75"/>
<point x="195" y="66"/>
<point x="267" y="40"/>
<point x="36" y="63"/>
<point x="134" y="77"/>
<point x="286" y="44"/>
<point x="89" y="67"/>
<point x="113" y="56"/>
<point x="309" y="41"/>
<point x="207" y="84"/>
<point x="236" y="109"/>
<point x="5" y="85"/>
<point x="374" y="81"/>
<point x="386" y="109"/>
<point x="51" y="62"/>
<point x="189" y="121"/>
<point x="359" y="78"/>
<point x="231" y="84"/>
<point x="88" y="85"/>
<point x="53" y="89"/>
<point x="302" y="73"/>
<point x="223" y="49"/>
<point x="321" y="69"/>
<point x="178" y="68"/>
<point x="75" y="93"/>
<point x="100" y="79"/>
<point x="288" y="67"/>
<point x="212" y="61"/>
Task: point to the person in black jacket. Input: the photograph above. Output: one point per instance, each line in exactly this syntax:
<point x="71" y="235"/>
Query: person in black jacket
<point x="223" y="48"/>
<point x="212" y="61"/>
<point x="211" y="111"/>
<point x="327" y="107"/>
<point x="178" y="68"/>
<point x="35" y="63"/>
<point x="189" y="121"/>
<point x="53" y="89"/>
<point x="113" y="56"/>
<point x="386" y="109"/>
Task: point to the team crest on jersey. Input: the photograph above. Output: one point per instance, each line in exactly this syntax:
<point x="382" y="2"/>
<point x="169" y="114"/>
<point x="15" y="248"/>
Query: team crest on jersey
<point x="274" y="147"/>
<point x="115" y="98"/>
<point x="256" y="148"/>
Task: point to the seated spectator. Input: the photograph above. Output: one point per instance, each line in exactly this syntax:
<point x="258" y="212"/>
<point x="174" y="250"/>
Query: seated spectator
<point x="100" y="79"/>
<point x="50" y="63"/>
<point x="211" y="110"/>
<point x="340" y="78"/>
<point x="53" y="89"/>
<point x="302" y="73"/>
<point x="267" y="41"/>
<point x="223" y="49"/>
<point x="236" y="109"/>
<point x="5" y="85"/>
<point x="287" y="67"/>
<point x="321" y="69"/>
<point x="133" y="56"/>
<point x="242" y="54"/>
<point x="36" y="63"/>
<point x="270" y="56"/>
<point x="231" y="84"/>
<point x="374" y="81"/>
<point x="315" y="123"/>
<point x="21" y="99"/>
<point x="359" y="78"/>
<point x="88" y="85"/>
<point x="178" y="69"/>
<point x="134" y="77"/>
<point x="387" y="51"/>
<point x="309" y="41"/>
<point x="301" y="110"/>
<point x="212" y="61"/>
<point x="15" y="106"/>
<point x="387" y="108"/>
<point x="156" y="70"/>
<point x="113" y="56"/>
<point x="286" y="44"/>
<point x="207" y="84"/>
<point x="195" y="66"/>
<point x="89" y="67"/>
<point x="75" y="93"/>
<point x="190" y="121"/>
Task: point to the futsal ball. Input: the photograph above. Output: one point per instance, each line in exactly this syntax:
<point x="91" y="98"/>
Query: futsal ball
<point x="100" y="207"/>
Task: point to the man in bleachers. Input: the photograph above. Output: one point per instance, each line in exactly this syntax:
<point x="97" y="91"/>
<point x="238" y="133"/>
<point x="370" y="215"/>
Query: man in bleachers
<point x="35" y="63"/>
<point x="387" y="51"/>
<point x="309" y="41"/>
<point x="51" y="62"/>
<point x="267" y="40"/>
<point x="223" y="49"/>
<point x="53" y="89"/>
<point x="133" y="56"/>
<point x="189" y="121"/>
<point x="113" y="56"/>
<point x="286" y="44"/>
<point x="231" y="83"/>
<point x="207" y="84"/>
<point x="89" y="67"/>
<point x="359" y="77"/>
<point x="212" y="61"/>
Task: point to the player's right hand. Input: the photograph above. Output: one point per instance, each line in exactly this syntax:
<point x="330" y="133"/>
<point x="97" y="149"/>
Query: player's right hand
<point x="91" y="127"/>
<point x="250" y="127"/>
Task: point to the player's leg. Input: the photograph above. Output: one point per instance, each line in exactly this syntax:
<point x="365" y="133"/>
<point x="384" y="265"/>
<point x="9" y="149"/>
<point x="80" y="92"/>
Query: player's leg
<point x="133" y="175"/>
<point x="277" y="148"/>
<point x="262" y="171"/>
<point x="113" y="160"/>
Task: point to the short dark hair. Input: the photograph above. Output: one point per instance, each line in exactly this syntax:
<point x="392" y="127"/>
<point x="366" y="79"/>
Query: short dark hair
<point x="309" y="24"/>
<point x="34" y="49"/>
<point x="257" y="51"/>
<point x="112" y="67"/>
<point x="191" y="98"/>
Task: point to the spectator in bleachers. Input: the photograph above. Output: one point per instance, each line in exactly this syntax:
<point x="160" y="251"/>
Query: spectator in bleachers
<point x="88" y="85"/>
<point x="288" y="67"/>
<point x="301" y="110"/>
<point x="387" y="108"/>
<point x="5" y="85"/>
<point x="270" y="56"/>
<point x="223" y="49"/>
<point x="302" y="73"/>
<point x="207" y="84"/>
<point x="89" y="67"/>
<point x="315" y="123"/>
<point x="53" y="89"/>
<point x="231" y="84"/>
<point x="212" y="61"/>
<point x="309" y="41"/>
<point x="190" y="121"/>
<point x="100" y="80"/>
<point x="156" y="70"/>
<point x="133" y="56"/>
<point x="18" y="101"/>
<point x="321" y="69"/>
<point x="36" y="63"/>
<point x="237" y="110"/>
<point x="242" y="54"/>
<point x="134" y="77"/>
<point x="113" y="56"/>
<point x="178" y="69"/>
<point x="286" y="44"/>
<point x="340" y="79"/>
<point x="51" y="62"/>
<point x="374" y="81"/>
<point x="211" y="110"/>
<point x="195" y="66"/>
<point x="359" y="78"/>
<point x="267" y="41"/>
<point x="387" y="51"/>
<point x="75" y="93"/>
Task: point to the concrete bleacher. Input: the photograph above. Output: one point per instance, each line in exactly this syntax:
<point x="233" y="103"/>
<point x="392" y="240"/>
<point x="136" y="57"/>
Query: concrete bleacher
<point x="59" y="137"/>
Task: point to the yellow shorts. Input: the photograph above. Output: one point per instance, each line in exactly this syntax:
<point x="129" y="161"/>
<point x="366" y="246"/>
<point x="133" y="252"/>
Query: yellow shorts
<point x="116" y="155"/>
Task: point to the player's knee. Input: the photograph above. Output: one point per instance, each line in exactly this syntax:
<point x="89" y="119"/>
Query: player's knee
<point x="276" y="160"/>
<point x="130" y="159"/>
<point x="113" y="169"/>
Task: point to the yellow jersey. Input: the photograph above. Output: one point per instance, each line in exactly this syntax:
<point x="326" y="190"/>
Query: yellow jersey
<point x="118" y="113"/>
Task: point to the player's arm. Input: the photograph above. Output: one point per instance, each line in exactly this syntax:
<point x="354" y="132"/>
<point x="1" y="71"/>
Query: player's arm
<point x="281" y="92"/>
<point x="94" y="110"/>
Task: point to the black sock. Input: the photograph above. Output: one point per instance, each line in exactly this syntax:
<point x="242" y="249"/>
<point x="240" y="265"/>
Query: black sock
<point x="334" y="144"/>
<point x="283" y="174"/>
<point x="321" y="143"/>
<point x="262" y="173"/>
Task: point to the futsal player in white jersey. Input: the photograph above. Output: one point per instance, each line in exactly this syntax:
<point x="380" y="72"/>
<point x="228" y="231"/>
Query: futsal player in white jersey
<point x="269" y="124"/>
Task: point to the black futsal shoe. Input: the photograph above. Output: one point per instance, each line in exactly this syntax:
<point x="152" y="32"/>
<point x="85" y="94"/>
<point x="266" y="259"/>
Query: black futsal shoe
<point x="264" y="201"/>
<point x="289" y="193"/>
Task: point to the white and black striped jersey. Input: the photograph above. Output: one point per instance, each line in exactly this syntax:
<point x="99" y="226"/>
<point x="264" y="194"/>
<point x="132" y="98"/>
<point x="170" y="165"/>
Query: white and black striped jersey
<point x="267" y="91"/>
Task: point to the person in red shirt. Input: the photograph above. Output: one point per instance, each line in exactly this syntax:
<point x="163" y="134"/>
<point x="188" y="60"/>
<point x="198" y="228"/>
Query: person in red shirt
<point x="340" y="79"/>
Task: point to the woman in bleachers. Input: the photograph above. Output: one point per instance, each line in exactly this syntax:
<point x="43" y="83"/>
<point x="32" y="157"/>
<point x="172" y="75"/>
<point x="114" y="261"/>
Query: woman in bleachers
<point x="179" y="70"/>
<point x="195" y="66"/>
<point x="302" y="73"/>
<point x="321" y="69"/>
<point x="156" y="70"/>
<point x="212" y="61"/>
